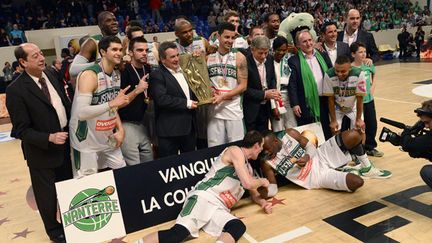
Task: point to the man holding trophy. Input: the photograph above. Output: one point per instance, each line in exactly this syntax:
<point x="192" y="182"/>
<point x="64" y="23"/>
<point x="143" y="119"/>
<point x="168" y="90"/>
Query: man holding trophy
<point x="193" y="51"/>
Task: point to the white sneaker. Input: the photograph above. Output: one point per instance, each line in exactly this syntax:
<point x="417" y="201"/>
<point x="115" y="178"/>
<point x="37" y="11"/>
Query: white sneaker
<point x="372" y="172"/>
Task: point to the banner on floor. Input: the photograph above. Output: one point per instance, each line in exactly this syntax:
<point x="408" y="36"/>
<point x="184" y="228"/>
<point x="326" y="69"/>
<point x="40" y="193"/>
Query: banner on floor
<point x="152" y="193"/>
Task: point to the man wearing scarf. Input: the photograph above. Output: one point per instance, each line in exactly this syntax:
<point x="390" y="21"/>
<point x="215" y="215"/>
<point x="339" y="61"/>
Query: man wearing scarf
<point x="306" y="82"/>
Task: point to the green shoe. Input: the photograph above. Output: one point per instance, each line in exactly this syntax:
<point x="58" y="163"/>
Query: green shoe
<point x="372" y="172"/>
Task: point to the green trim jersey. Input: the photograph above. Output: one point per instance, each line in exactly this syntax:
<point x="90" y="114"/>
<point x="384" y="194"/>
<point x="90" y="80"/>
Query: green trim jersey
<point x="240" y="42"/>
<point x="197" y="44"/>
<point x="369" y="72"/>
<point x="222" y="183"/>
<point x="319" y="171"/>
<point x="93" y="135"/>
<point x="345" y="91"/>
<point x="284" y="162"/>
<point x="223" y="76"/>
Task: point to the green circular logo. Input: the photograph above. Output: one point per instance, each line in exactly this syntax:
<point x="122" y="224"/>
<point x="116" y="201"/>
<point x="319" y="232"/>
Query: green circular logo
<point x="92" y="200"/>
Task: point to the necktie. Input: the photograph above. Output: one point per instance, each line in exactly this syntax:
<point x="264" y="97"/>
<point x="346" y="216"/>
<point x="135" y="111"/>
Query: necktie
<point x="44" y="88"/>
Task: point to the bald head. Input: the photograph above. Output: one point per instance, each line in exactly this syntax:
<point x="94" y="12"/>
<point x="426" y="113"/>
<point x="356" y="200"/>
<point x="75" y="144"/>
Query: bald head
<point x="31" y="58"/>
<point x="353" y="20"/>
<point x="184" y="32"/>
<point x="180" y="23"/>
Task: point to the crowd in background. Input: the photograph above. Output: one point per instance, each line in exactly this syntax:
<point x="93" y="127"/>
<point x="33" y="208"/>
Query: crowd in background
<point x="158" y="15"/>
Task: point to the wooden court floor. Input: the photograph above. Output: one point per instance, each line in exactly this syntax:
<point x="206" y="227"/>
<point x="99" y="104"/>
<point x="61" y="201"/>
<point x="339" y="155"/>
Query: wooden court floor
<point x="398" y="209"/>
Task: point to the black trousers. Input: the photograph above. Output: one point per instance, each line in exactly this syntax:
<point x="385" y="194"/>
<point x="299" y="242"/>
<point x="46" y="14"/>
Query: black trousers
<point x="370" y="120"/>
<point x="418" y="48"/>
<point x="171" y="145"/>
<point x="261" y="121"/>
<point x="426" y="174"/>
<point x="43" y="183"/>
<point x="403" y="51"/>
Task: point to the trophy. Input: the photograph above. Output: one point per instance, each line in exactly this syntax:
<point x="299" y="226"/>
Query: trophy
<point x="196" y="73"/>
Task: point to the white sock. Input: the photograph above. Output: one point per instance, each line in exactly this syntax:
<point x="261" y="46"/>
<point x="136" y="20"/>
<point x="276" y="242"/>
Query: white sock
<point x="364" y="161"/>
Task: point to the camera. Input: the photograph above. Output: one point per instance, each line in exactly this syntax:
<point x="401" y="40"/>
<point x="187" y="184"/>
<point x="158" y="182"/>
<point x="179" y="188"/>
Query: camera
<point x="389" y="136"/>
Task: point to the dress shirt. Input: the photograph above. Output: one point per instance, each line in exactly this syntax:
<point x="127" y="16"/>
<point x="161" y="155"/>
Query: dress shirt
<point x="349" y="39"/>
<point x="262" y="73"/>
<point x="178" y="75"/>
<point x="332" y="52"/>
<point x="55" y="99"/>
<point x="316" y="70"/>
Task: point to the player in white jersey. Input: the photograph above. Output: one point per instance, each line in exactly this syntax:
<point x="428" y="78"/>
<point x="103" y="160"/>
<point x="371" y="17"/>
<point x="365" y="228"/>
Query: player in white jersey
<point x="228" y="74"/>
<point x="345" y="86"/>
<point x="95" y="127"/>
<point x="240" y="41"/>
<point x="186" y="41"/>
<point x="89" y="52"/>
<point x="208" y="206"/>
<point x="297" y="158"/>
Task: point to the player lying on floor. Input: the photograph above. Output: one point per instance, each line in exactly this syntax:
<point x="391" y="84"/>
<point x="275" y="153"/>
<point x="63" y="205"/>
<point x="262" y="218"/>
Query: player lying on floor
<point x="298" y="159"/>
<point x="208" y="206"/>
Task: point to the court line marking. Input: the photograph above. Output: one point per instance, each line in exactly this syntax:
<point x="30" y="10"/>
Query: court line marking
<point x="249" y="238"/>
<point x="397" y="101"/>
<point x="282" y="237"/>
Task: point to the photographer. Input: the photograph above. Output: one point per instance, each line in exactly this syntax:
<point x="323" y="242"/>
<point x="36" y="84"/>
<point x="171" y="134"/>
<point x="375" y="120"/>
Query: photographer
<point x="417" y="141"/>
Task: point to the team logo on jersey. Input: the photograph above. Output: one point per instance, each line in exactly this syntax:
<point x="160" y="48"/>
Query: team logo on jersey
<point x="91" y="209"/>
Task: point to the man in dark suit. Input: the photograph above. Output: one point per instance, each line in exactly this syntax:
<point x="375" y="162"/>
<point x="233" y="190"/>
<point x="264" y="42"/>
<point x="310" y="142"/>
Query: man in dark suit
<point x="332" y="47"/>
<point x="261" y="86"/>
<point x="39" y="112"/>
<point x="55" y="68"/>
<point x="353" y="33"/>
<point x="174" y="104"/>
<point x="306" y="83"/>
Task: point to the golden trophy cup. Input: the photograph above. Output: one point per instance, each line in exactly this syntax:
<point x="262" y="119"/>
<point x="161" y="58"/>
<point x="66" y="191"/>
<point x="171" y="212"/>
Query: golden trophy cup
<point x="196" y="73"/>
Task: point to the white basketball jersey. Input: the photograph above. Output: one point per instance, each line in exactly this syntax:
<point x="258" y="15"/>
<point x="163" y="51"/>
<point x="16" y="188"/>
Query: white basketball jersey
<point x="222" y="182"/>
<point x="223" y="75"/>
<point x="92" y="135"/>
<point x="196" y="45"/>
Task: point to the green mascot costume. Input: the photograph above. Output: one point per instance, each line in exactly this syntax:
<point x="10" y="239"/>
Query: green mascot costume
<point x="295" y="21"/>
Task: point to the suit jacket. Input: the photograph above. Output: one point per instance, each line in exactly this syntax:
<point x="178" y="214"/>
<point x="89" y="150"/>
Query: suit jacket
<point x="342" y="48"/>
<point x="296" y="88"/>
<point x="173" y="118"/>
<point x="254" y="93"/>
<point x="367" y="39"/>
<point x="34" y="118"/>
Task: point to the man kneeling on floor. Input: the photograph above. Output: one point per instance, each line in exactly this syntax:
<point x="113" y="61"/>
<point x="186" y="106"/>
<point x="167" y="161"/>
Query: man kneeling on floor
<point x="208" y="206"/>
<point x="301" y="162"/>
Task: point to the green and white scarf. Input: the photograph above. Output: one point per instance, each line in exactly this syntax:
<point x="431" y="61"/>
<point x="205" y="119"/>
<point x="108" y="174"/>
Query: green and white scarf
<point x="309" y="83"/>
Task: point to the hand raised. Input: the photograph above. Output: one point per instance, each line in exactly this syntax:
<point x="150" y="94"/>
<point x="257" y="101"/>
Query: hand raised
<point x="121" y="98"/>
<point x="142" y="85"/>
